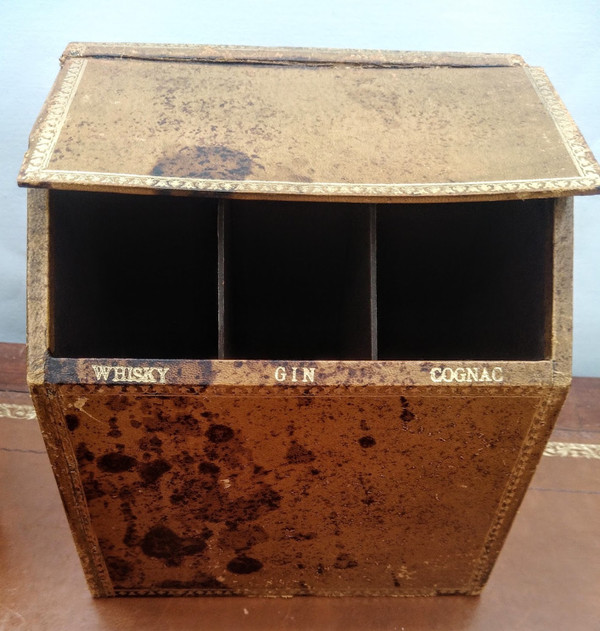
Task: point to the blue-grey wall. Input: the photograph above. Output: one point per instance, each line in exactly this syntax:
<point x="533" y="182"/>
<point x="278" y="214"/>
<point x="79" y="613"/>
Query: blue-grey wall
<point x="562" y="37"/>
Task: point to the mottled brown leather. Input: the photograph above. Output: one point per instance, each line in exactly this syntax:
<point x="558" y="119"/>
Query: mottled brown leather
<point x="545" y="577"/>
<point x="295" y="495"/>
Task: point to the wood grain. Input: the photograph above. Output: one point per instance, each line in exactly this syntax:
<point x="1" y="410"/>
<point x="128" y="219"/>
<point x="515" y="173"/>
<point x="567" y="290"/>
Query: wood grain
<point x="13" y="367"/>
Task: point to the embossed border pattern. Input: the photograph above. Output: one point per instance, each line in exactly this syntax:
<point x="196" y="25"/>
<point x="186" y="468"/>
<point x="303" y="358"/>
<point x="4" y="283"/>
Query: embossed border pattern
<point x="36" y="173"/>
<point x="572" y="450"/>
<point x="15" y="411"/>
<point x="38" y="156"/>
<point x="580" y="153"/>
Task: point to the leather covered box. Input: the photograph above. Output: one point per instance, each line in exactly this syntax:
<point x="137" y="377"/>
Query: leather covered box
<point x="299" y="320"/>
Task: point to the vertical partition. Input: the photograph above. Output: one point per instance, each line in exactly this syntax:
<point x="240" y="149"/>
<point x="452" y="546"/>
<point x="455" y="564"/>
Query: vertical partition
<point x="373" y="279"/>
<point x="222" y="305"/>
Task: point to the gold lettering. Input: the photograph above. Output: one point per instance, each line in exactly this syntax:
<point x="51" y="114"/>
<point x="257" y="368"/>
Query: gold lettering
<point x="497" y="374"/>
<point x="459" y="374"/>
<point x="130" y="374"/>
<point x="485" y="375"/>
<point x="162" y="372"/>
<point x="435" y="378"/>
<point x="466" y="374"/>
<point x="309" y="375"/>
<point x="101" y="372"/>
<point x="447" y="375"/>
<point x="472" y="374"/>
<point x="119" y="373"/>
<point x="148" y="377"/>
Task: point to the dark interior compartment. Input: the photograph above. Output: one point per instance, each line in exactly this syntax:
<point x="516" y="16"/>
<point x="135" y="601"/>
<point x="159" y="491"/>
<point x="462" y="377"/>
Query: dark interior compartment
<point x="149" y="276"/>
<point x="465" y="280"/>
<point x="297" y="281"/>
<point x="133" y="275"/>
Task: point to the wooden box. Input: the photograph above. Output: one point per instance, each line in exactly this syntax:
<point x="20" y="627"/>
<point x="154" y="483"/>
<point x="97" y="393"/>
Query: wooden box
<point x="299" y="320"/>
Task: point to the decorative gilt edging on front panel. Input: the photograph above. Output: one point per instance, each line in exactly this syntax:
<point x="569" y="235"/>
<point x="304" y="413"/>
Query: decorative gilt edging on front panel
<point x="530" y="453"/>
<point x="65" y="467"/>
<point x="272" y="593"/>
<point x="35" y="171"/>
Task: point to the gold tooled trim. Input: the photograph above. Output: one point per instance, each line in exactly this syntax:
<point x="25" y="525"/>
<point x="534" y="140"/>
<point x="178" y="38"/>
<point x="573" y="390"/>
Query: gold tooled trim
<point x="13" y="410"/>
<point x="38" y="156"/>
<point x="399" y="592"/>
<point x="115" y="181"/>
<point x="578" y="150"/>
<point x="572" y="450"/>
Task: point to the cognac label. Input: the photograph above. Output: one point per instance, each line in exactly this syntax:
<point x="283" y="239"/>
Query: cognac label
<point x="466" y="375"/>
<point x="130" y="374"/>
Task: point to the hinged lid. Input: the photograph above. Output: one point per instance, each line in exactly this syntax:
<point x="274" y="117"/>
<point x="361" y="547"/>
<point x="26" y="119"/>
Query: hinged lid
<point x="362" y="125"/>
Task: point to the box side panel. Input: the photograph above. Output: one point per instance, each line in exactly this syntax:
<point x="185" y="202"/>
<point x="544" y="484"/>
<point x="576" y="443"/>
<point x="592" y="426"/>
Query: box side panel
<point x="296" y="495"/>
<point x="531" y="451"/>
<point x="559" y="310"/>
<point x="48" y="411"/>
<point x="38" y="299"/>
<point x="562" y="293"/>
<point x="64" y="466"/>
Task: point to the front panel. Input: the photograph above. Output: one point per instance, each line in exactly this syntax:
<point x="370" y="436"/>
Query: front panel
<point x="293" y="494"/>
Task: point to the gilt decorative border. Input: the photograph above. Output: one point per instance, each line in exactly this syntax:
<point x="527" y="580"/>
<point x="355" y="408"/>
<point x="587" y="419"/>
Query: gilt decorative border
<point x="580" y="153"/>
<point x="16" y="411"/>
<point x="38" y="157"/>
<point x="572" y="450"/>
<point x="114" y="182"/>
<point x="35" y="170"/>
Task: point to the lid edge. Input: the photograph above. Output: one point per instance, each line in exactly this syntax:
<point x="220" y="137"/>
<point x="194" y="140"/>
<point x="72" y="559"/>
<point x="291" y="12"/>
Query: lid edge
<point x="286" y="55"/>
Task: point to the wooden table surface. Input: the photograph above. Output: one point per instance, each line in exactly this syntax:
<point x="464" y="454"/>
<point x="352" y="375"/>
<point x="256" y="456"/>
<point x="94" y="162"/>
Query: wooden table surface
<point x="547" y="576"/>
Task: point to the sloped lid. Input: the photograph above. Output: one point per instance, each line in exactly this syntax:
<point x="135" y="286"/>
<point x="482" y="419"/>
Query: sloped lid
<point x="362" y="125"/>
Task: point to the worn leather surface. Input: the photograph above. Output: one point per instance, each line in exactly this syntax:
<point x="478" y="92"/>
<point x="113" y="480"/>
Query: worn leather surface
<point x="477" y="126"/>
<point x="545" y="576"/>
<point x="292" y="495"/>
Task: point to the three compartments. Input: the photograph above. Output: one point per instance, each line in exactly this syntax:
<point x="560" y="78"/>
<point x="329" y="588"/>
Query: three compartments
<point x="144" y="276"/>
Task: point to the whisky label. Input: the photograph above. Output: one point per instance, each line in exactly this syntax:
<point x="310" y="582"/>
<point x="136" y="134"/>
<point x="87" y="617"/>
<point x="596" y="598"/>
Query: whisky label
<point x="130" y="374"/>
